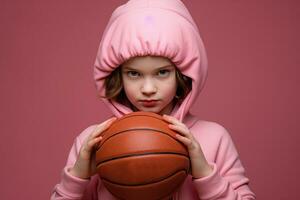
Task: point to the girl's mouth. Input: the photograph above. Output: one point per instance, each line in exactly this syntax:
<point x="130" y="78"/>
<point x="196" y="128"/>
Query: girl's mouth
<point x="149" y="103"/>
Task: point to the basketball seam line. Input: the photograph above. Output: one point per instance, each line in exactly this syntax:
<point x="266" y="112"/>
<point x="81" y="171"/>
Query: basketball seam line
<point x="156" y="181"/>
<point x="135" y="129"/>
<point x="140" y="154"/>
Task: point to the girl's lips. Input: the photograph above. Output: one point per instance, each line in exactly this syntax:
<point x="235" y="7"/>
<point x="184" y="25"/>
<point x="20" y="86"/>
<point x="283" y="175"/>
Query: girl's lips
<point x="150" y="103"/>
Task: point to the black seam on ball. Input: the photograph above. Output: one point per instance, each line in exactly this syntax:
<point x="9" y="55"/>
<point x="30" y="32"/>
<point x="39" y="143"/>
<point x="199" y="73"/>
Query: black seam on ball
<point x="143" y="184"/>
<point x="134" y="129"/>
<point x="139" y="154"/>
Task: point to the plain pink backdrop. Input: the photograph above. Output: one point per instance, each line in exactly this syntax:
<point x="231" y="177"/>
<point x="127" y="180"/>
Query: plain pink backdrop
<point x="47" y="50"/>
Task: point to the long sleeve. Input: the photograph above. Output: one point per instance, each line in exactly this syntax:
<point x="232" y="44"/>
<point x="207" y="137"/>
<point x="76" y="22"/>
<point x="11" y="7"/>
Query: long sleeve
<point x="71" y="187"/>
<point x="227" y="181"/>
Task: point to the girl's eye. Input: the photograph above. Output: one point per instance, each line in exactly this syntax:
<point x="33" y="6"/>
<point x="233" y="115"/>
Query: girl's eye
<point x="163" y="72"/>
<point x="133" y="74"/>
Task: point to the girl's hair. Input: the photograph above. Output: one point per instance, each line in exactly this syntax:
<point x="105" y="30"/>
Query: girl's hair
<point x="114" y="87"/>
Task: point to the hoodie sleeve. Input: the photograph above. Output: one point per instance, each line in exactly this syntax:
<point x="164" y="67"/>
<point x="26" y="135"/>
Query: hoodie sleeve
<point x="227" y="181"/>
<point x="71" y="187"/>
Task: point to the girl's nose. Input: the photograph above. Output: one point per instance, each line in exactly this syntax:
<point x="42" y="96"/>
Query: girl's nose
<point x="148" y="87"/>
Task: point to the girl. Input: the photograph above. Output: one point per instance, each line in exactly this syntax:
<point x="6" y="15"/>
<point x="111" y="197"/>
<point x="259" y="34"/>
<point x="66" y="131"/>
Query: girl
<point x="152" y="58"/>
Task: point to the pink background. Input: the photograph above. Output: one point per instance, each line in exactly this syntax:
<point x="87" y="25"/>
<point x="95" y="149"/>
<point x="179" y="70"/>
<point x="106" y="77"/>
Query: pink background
<point x="47" y="49"/>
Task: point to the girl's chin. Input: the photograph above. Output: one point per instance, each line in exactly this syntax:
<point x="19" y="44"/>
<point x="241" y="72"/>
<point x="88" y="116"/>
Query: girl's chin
<point x="147" y="109"/>
<point x="154" y="110"/>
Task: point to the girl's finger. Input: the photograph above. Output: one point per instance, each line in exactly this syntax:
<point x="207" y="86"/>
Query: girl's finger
<point x="92" y="143"/>
<point x="186" y="141"/>
<point x="102" y="127"/>
<point x="172" y="120"/>
<point x="181" y="130"/>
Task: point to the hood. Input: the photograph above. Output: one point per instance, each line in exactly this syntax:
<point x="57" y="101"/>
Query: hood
<point x="157" y="28"/>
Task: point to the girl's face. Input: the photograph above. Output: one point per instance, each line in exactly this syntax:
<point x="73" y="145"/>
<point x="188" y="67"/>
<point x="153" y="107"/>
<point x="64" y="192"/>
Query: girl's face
<point x="150" y="83"/>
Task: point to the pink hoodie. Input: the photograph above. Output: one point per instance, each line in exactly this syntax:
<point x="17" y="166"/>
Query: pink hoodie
<point x="162" y="28"/>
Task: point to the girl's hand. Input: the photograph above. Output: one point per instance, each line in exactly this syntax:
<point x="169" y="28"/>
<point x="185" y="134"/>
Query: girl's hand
<point x="85" y="165"/>
<point x="199" y="164"/>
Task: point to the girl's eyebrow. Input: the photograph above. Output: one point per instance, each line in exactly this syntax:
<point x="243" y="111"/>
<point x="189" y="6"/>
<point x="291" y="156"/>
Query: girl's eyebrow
<point x="132" y="68"/>
<point x="166" y="66"/>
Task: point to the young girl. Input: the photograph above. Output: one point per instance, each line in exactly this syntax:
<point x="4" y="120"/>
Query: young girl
<point x="151" y="58"/>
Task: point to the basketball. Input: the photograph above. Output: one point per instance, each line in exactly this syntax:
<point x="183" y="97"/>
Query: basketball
<point x="139" y="157"/>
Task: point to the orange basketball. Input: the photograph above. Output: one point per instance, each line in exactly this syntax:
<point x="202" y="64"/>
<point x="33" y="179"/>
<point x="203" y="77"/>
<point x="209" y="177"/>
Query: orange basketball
<point x="139" y="157"/>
